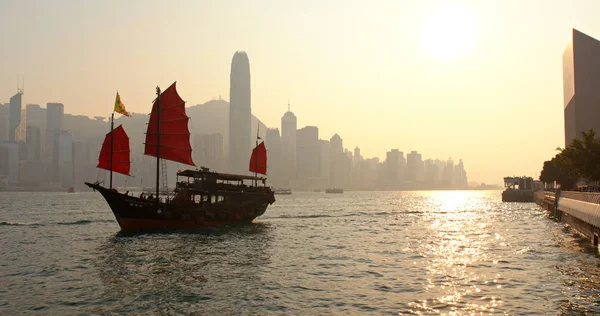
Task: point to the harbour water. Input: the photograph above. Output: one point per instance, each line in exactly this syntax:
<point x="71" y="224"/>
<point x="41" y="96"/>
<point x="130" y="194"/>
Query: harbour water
<point x="443" y="252"/>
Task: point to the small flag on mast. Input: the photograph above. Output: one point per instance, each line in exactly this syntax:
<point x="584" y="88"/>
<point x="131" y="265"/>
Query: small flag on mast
<point x="119" y="107"/>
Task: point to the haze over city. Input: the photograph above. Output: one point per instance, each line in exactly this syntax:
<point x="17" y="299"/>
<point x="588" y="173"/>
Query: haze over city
<point x="479" y="81"/>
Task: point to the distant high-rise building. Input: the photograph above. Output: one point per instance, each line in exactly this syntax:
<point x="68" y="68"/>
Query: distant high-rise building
<point x="414" y="166"/>
<point x="357" y="156"/>
<point x="448" y="176"/>
<point x="307" y="156"/>
<point x="14" y="114"/>
<point x="336" y="145"/>
<point x="239" y="114"/>
<point x="34" y="142"/>
<point x="288" y="147"/>
<point x="54" y="121"/>
<point x="81" y="168"/>
<point x="340" y="167"/>
<point x="208" y="151"/>
<point x="581" y="85"/>
<point x="460" y="176"/>
<point x="36" y="115"/>
<point x="4" y="114"/>
<point x="324" y="161"/>
<point x="273" y="145"/>
<point x="9" y="162"/>
<point x="393" y="160"/>
<point x="64" y="154"/>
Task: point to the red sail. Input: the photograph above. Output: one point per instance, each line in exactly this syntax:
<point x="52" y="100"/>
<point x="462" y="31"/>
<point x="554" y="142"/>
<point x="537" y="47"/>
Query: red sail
<point x="174" y="132"/>
<point x="258" y="161"/>
<point x="120" y="152"/>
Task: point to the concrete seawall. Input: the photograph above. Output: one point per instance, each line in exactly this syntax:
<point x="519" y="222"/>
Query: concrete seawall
<point x="581" y="210"/>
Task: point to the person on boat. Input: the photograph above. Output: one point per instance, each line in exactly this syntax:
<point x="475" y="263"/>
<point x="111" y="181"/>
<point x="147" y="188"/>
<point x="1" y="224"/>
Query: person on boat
<point x="127" y="192"/>
<point x="142" y="195"/>
<point x="150" y="197"/>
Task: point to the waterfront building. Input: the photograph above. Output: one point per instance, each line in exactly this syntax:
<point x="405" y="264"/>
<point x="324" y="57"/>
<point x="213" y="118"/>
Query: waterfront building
<point x="581" y="85"/>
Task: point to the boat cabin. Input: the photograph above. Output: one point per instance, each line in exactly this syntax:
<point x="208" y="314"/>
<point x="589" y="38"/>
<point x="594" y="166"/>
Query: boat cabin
<point x="206" y="187"/>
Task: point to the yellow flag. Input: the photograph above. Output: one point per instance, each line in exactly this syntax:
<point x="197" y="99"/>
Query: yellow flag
<point x="119" y="107"/>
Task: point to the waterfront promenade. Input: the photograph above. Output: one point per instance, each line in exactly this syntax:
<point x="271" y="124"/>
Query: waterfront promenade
<point x="581" y="210"/>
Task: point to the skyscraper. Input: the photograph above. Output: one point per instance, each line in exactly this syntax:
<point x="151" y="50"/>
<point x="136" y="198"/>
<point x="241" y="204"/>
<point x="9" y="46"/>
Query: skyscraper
<point x="273" y="145"/>
<point x="336" y="145"/>
<point x="308" y="156"/>
<point x="288" y="147"/>
<point x="337" y="162"/>
<point x="54" y="118"/>
<point x="581" y="85"/>
<point x="4" y="113"/>
<point x="414" y="166"/>
<point x="33" y="140"/>
<point x="64" y="153"/>
<point x="14" y="115"/>
<point x="239" y="114"/>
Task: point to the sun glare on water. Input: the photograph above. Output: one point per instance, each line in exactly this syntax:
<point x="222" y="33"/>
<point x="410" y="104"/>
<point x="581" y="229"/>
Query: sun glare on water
<point x="449" y="31"/>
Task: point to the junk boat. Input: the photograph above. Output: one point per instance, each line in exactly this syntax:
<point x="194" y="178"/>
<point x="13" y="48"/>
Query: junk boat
<point x="202" y="199"/>
<point x="334" y="190"/>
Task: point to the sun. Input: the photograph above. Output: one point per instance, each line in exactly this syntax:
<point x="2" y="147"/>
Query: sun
<point x="449" y="32"/>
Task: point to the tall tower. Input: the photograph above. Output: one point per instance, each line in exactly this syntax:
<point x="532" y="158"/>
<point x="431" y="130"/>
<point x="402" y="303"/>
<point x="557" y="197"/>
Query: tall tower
<point x="14" y="114"/>
<point x="239" y="114"/>
<point x="289" y="125"/>
<point x="581" y="85"/>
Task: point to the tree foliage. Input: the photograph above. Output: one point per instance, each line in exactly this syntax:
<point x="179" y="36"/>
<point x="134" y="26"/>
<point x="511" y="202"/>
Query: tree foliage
<point x="552" y="173"/>
<point x="581" y="159"/>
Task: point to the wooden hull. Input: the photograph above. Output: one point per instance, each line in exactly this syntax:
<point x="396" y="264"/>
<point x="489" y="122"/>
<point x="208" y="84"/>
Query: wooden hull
<point x="134" y="213"/>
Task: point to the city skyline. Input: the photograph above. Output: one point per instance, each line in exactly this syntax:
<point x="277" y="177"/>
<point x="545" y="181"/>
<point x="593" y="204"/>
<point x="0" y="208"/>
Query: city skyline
<point x="372" y="68"/>
<point x="320" y="165"/>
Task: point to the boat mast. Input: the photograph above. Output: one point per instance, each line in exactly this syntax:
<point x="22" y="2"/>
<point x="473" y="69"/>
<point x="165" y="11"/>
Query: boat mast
<point x="157" y="141"/>
<point x="256" y="165"/>
<point x="112" y="137"/>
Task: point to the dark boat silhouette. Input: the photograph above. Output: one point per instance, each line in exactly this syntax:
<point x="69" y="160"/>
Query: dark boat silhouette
<point x="202" y="199"/>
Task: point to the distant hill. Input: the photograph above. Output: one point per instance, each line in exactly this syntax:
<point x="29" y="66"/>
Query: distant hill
<point x="213" y="117"/>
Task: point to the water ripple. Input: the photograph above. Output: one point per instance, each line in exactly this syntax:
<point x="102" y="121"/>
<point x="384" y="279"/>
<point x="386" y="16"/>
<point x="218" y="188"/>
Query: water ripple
<point x="406" y="253"/>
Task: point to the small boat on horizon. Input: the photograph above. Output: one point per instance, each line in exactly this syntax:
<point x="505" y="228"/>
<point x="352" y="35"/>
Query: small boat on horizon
<point x="71" y="190"/>
<point x="334" y="190"/>
<point x="283" y="191"/>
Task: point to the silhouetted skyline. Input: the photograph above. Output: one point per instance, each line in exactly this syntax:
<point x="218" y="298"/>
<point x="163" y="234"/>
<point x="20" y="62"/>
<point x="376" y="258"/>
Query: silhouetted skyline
<point x="383" y="76"/>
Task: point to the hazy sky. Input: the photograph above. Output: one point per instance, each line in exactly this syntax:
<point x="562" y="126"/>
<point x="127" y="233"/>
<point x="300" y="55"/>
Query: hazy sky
<point x="478" y="80"/>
